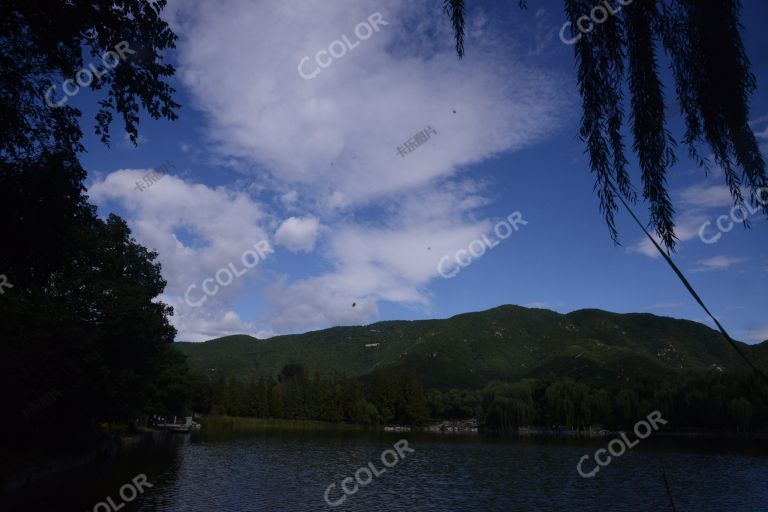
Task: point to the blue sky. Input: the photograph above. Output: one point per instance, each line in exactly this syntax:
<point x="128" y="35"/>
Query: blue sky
<point x="305" y="173"/>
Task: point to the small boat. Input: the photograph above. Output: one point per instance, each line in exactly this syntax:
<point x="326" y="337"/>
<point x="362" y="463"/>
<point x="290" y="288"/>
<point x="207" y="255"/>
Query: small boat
<point x="182" y="426"/>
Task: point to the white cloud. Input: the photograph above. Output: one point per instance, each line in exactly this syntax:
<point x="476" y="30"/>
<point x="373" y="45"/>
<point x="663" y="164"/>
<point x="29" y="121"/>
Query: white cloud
<point x="290" y="198"/>
<point x="338" y="134"/>
<point x="317" y="302"/>
<point x="298" y="233"/>
<point x="333" y="142"/>
<point x="198" y="230"/>
<point x="218" y="225"/>
<point x="763" y="134"/>
<point x="687" y="227"/>
<point x="126" y="143"/>
<point x="391" y="262"/>
<point x="666" y="305"/>
<point x="755" y="335"/>
<point x="759" y="120"/>
<point x="706" y="196"/>
<point x="646" y="247"/>
<point x="717" y="263"/>
<point x="696" y="201"/>
<point x="202" y="327"/>
<point x="538" y="305"/>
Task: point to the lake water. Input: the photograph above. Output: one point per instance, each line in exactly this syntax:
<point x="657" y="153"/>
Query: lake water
<point x="290" y="471"/>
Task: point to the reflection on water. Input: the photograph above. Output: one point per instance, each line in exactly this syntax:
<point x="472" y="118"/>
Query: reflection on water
<point x="290" y="471"/>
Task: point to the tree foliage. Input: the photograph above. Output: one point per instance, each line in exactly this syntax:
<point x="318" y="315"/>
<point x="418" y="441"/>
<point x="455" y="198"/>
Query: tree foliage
<point x="80" y="318"/>
<point x="82" y="331"/>
<point x="42" y="44"/>
<point x="392" y="396"/>
<point x="712" y="80"/>
<point x="728" y="401"/>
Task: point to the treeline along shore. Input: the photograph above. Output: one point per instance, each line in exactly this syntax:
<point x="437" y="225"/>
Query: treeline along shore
<point x="696" y="403"/>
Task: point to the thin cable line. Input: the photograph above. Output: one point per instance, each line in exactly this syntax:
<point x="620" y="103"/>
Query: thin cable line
<point x="687" y="284"/>
<point x="669" y="493"/>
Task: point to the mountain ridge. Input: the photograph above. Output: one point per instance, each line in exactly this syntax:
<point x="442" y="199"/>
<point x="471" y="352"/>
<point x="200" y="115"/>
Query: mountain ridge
<point x="507" y="342"/>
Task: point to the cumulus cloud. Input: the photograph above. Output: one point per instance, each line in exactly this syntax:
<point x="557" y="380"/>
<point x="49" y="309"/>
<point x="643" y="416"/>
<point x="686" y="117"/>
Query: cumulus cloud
<point x="298" y="233"/>
<point x="332" y="141"/>
<point x="339" y="132"/>
<point x="391" y="261"/>
<point x="196" y="230"/>
<point x="202" y="327"/>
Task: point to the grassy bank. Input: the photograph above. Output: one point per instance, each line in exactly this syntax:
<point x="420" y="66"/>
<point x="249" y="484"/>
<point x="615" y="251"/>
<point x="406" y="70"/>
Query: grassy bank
<point x="240" y="423"/>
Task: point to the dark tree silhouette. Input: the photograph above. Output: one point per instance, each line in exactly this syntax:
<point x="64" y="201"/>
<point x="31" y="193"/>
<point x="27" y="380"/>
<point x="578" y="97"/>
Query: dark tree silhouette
<point x="41" y="45"/>
<point x="81" y="331"/>
<point x="713" y="83"/>
<point x="80" y="320"/>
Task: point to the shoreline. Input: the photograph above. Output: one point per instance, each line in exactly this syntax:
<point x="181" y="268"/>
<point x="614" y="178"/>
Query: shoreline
<point x="463" y="427"/>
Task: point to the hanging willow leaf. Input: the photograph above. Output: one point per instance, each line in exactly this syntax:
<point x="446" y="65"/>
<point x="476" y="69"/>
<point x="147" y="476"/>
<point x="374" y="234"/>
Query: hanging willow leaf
<point x="713" y="83"/>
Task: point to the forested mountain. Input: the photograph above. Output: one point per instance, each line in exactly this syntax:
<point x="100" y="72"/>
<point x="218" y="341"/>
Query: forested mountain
<point x="467" y="351"/>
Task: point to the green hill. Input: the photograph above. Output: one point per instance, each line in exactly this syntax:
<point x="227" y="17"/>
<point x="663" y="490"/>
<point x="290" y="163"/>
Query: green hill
<point x="468" y="350"/>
